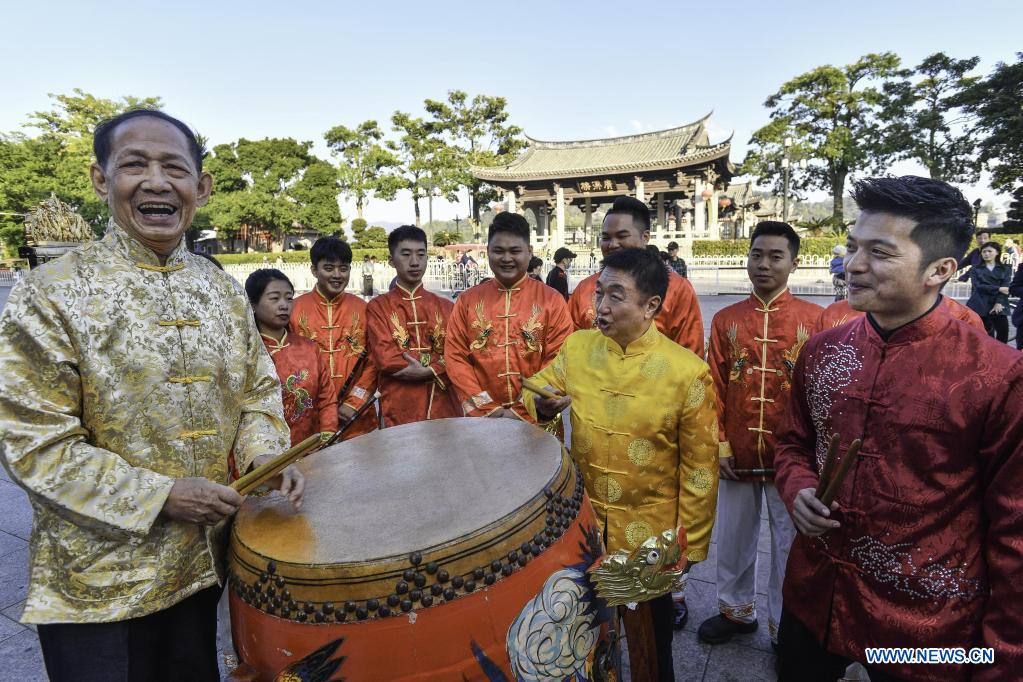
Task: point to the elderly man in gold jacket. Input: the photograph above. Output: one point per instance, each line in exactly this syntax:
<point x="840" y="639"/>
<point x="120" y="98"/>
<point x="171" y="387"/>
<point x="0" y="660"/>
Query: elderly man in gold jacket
<point x="129" y="370"/>
<point x="644" y="423"/>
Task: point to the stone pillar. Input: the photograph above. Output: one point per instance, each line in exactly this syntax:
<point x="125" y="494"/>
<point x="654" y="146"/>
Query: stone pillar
<point x="559" y="213"/>
<point x="640" y="191"/>
<point x="509" y="201"/>
<point x="588" y="220"/>
<point x="699" y="209"/>
<point x="715" y="226"/>
<point x="662" y="225"/>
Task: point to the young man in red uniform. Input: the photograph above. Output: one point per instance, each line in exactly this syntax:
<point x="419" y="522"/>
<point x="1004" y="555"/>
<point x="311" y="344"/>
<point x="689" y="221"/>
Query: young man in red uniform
<point x="504" y="329"/>
<point x="753" y="349"/>
<point x="407" y="329"/>
<point x="310" y="401"/>
<point x="336" y="321"/>
<point x="923" y="545"/>
<point x="627" y="226"/>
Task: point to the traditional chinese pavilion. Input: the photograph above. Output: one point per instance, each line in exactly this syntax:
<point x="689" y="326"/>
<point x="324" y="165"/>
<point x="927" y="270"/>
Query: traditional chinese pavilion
<point x="678" y="172"/>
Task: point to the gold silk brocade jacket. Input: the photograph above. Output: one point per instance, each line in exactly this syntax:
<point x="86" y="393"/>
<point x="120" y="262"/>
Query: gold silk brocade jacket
<point x="117" y="376"/>
<point x="644" y="433"/>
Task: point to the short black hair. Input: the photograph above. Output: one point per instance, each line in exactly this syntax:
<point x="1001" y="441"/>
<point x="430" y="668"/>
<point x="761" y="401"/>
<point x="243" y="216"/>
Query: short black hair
<point x="776" y="228"/>
<point x="993" y="245"/>
<point x="631" y="206"/>
<point x="330" y="248"/>
<point x="645" y="267"/>
<point x="984" y="230"/>
<point x="535" y="263"/>
<point x="672" y="246"/>
<point x="257" y="282"/>
<point x="512" y="223"/>
<point x="943" y="217"/>
<point x="104" y="133"/>
<point x="402" y="233"/>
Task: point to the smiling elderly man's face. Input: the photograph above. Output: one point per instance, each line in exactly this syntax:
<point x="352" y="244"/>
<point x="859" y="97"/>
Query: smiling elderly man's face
<point x="151" y="183"/>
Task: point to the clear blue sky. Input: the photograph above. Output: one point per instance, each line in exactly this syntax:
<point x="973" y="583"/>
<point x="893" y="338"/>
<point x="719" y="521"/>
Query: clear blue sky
<point x="569" y="70"/>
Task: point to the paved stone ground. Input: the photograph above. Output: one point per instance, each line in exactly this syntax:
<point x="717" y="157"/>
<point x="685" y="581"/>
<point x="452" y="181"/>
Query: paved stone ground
<point x="744" y="659"/>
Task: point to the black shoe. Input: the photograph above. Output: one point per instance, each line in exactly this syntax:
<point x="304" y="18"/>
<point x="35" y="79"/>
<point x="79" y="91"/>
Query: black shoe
<point x="719" y="629"/>
<point x="681" y="614"/>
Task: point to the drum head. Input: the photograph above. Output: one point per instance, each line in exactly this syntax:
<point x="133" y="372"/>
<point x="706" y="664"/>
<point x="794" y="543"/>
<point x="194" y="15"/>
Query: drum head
<point x="401" y="489"/>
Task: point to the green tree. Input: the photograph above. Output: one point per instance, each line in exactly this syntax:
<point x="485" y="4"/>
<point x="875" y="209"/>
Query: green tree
<point x="926" y="122"/>
<point x="253" y="181"/>
<point x="995" y="102"/>
<point x="316" y="196"/>
<point x="479" y="130"/>
<point x="56" y="160"/>
<point x="426" y="164"/>
<point x="833" y="115"/>
<point x="367" y="166"/>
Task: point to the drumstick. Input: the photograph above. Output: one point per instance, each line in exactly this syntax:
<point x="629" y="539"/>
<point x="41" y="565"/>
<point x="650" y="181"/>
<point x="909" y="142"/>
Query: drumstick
<point x="265" y="472"/>
<point x="753" y="472"/>
<point x="829" y="464"/>
<point x="358" y="413"/>
<point x="843" y="468"/>
<point x="542" y="392"/>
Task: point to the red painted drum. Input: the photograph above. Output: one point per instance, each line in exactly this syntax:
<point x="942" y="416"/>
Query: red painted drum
<point x="453" y="549"/>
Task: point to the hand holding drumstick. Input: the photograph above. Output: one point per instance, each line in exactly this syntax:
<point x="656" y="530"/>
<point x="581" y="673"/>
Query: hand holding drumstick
<point x="549" y="403"/>
<point x="812" y="508"/>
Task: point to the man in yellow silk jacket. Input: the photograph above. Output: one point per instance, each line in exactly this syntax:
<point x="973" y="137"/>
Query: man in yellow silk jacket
<point x="644" y="422"/>
<point x="129" y="370"/>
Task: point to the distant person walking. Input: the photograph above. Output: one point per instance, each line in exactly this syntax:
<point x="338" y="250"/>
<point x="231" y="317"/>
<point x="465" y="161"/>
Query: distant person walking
<point x="674" y="262"/>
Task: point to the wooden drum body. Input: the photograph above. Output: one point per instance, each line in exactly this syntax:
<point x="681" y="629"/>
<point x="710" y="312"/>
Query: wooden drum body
<point x="444" y="550"/>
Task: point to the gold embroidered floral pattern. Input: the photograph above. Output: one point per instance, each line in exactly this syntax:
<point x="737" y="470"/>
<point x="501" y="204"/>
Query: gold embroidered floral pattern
<point x="485" y="327"/>
<point x="637" y="532"/>
<point x="697" y="394"/>
<point x="655" y="366"/>
<point x="738" y="355"/>
<point x="531" y="329"/>
<point x="641" y="452"/>
<point x="607" y="488"/>
<point x="699" y="480"/>
<point x="400" y="334"/>
<point x="582" y="443"/>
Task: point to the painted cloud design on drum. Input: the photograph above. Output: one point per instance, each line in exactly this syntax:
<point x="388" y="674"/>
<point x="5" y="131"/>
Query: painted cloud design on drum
<point x="555" y="633"/>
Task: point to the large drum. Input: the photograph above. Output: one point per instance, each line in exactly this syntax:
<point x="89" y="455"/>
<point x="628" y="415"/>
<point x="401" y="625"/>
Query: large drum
<point x="444" y="550"/>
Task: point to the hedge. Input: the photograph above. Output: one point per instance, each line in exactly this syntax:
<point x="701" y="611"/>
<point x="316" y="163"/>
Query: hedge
<point x="291" y="256"/>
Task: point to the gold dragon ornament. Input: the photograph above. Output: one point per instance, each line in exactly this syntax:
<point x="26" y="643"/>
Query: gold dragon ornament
<point x="737" y="354"/>
<point x="486" y="329"/>
<point x="531" y="329"/>
<point x="649" y="571"/>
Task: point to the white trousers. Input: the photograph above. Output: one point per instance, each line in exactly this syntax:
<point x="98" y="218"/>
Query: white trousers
<point x="738" y="529"/>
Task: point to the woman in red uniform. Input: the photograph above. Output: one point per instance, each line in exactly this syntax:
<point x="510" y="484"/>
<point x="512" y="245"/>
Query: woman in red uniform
<point x="310" y="404"/>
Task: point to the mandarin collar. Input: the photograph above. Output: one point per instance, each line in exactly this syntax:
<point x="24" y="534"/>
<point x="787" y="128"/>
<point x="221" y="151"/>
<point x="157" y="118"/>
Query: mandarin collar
<point x="780" y="299"/>
<point x="514" y="287"/>
<point x="118" y="239"/>
<point x="930" y="324"/>
<point x="323" y="299"/>
<point x="644" y="343"/>
<point x="410" y="293"/>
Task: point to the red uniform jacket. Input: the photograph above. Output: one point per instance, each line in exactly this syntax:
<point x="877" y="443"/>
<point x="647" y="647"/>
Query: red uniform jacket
<point x="310" y="401"/>
<point x="930" y="551"/>
<point x="679" y="319"/>
<point x="338" y="326"/>
<point x="413" y="322"/>
<point x="497" y="336"/>
<point x="753" y="350"/>
<point x="841" y="312"/>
